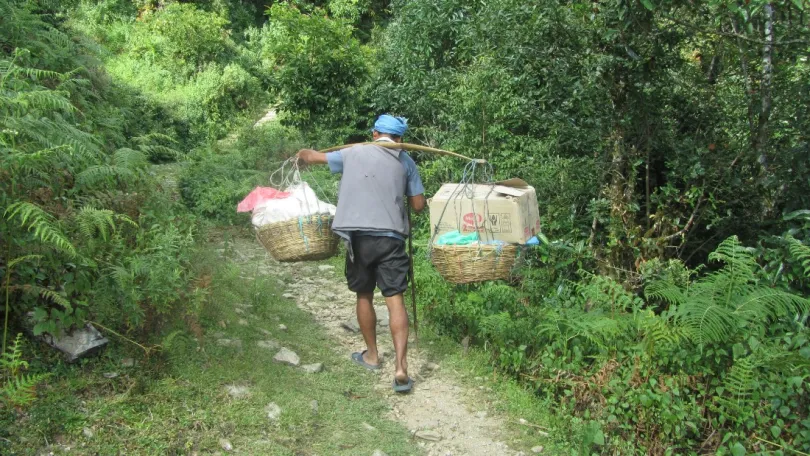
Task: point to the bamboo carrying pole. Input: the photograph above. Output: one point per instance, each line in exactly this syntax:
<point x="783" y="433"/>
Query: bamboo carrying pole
<point x="409" y="147"/>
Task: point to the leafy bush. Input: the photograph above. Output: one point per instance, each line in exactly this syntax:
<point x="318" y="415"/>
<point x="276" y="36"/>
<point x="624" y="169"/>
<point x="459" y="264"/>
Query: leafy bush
<point x="218" y="177"/>
<point x="180" y="38"/>
<point x="78" y="204"/>
<point x="318" y="69"/>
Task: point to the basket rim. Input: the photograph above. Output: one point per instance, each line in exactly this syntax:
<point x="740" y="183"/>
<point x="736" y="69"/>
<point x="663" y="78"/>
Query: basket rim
<point x="476" y="247"/>
<point x="295" y="221"/>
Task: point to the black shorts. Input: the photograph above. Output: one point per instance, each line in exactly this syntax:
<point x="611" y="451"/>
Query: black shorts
<point x="379" y="261"/>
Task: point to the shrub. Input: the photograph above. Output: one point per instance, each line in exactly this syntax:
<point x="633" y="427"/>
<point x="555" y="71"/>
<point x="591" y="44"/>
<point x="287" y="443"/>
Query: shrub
<point x="180" y="38"/>
<point x="704" y="360"/>
<point x="318" y="69"/>
<point x="218" y="178"/>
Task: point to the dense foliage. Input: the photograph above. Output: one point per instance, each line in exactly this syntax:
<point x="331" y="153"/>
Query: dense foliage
<point x="87" y="232"/>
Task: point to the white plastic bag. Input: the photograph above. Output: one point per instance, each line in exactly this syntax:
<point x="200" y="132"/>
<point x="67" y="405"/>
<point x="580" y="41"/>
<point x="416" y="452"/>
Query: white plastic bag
<point x="302" y="202"/>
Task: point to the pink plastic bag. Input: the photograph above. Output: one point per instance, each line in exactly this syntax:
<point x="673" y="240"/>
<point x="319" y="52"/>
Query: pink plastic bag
<point x="259" y="195"/>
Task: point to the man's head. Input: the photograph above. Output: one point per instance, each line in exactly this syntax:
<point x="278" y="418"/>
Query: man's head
<point x="390" y="126"/>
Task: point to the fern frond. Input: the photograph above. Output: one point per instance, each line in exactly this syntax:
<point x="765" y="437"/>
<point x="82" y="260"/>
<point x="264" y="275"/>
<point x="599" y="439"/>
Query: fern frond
<point x="665" y="291"/>
<point x="658" y="332"/>
<point x="11" y="361"/>
<point x="170" y="340"/>
<point x="739" y="381"/>
<point x="18" y="260"/>
<point x="766" y="303"/>
<point x="46" y="293"/>
<point x="740" y="262"/>
<point x="20" y="390"/>
<point x="43" y="224"/>
<point x="150" y="137"/>
<point x="91" y="221"/>
<point x="160" y="151"/>
<point x="47" y="99"/>
<point x="129" y="159"/>
<point x="35" y="74"/>
<point x="599" y="329"/>
<point x="54" y="133"/>
<point x="720" y="304"/>
<point x="37" y="160"/>
<point x="606" y="292"/>
<point x="494" y="324"/>
<point x="705" y="320"/>
<point x="800" y="253"/>
<point x="95" y="174"/>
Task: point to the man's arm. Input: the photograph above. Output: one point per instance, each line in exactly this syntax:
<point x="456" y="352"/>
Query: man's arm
<point x="414" y="190"/>
<point x="311" y="157"/>
<point x="417" y="202"/>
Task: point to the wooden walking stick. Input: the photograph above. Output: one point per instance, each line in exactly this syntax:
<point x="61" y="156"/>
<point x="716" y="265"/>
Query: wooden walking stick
<point x="413" y="282"/>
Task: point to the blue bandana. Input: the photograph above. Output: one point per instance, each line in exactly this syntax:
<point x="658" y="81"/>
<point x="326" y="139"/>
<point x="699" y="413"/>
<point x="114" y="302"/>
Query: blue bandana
<point x="391" y="125"/>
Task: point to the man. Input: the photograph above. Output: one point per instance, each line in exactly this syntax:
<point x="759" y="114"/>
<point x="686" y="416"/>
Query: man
<point x="372" y="220"/>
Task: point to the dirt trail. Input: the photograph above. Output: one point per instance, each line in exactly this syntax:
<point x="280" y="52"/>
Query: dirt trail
<point x="437" y="410"/>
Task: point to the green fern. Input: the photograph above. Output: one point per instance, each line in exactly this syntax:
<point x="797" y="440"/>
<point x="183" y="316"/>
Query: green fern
<point x="605" y="292"/>
<point x="719" y="305"/>
<point x="44" y="225"/>
<point x="92" y="221"/>
<point x="46" y="293"/>
<point x="657" y="331"/>
<point x="11" y="362"/>
<point x="19" y="391"/>
<point x="130" y="159"/>
<point x="496" y="324"/>
<point x="95" y="175"/>
<point x="18" y="388"/>
<point x="800" y="253"/>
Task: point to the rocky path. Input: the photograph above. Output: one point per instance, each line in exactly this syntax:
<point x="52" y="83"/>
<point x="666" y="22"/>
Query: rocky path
<point x="441" y="413"/>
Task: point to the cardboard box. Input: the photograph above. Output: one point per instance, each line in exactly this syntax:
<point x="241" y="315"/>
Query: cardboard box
<point x="505" y="211"/>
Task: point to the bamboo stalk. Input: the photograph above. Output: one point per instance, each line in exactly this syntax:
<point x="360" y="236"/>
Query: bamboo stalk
<point x="407" y="146"/>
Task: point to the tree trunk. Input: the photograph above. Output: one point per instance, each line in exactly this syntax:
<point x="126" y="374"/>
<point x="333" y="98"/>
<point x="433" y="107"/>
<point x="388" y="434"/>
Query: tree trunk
<point x="765" y="88"/>
<point x="749" y="90"/>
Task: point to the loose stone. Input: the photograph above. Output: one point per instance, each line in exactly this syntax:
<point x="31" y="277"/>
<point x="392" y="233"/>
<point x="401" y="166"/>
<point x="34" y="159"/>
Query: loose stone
<point x="287" y="356"/>
<point x="313" y="368"/>
<point x="268" y="344"/>
<point x="431" y="436"/>
<point x="273" y="411"/>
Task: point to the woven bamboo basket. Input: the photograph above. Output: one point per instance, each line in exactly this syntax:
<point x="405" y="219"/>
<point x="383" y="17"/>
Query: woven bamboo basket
<point x="474" y="263"/>
<point x="304" y="239"/>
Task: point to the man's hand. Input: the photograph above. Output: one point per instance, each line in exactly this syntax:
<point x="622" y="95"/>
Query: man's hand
<point x="310" y="156"/>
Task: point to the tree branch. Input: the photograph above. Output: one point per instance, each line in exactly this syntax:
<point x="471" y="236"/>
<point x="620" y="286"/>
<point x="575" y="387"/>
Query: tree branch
<point x="738" y="35"/>
<point x="689" y="222"/>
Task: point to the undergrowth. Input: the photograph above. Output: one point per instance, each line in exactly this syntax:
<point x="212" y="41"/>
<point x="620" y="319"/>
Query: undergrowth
<point x="715" y="359"/>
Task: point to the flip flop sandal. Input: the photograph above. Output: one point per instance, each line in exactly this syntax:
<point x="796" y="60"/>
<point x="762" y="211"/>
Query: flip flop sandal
<point x="357" y="357"/>
<point x="403" y="387"/>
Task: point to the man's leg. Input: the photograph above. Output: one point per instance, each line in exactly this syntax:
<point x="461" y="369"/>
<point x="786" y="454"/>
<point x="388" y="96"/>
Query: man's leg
<point x="367" y="319"/>
<point x="398" y="321"/>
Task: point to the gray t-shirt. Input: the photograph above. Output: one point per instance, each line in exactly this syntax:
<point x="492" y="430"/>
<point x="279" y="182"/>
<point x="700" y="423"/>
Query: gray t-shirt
<point x="370" y="200"/>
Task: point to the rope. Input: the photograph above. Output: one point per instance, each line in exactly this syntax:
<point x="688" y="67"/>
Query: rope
<point x="288" y="175"/>
<point x="474" y="172"/>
